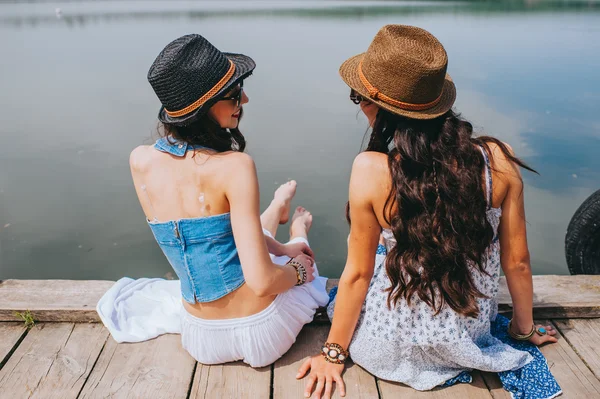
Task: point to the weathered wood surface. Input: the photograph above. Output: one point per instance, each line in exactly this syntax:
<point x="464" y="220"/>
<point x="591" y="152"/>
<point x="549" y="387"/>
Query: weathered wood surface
<point x="584" y="336"/>
<point x="10" y="333"/>
<point x="234" y="380"/>
<point x="560" y="296"/>
<point x="571" y="373"/>
<point x="75" y="301"/>
<point x="52" y="300"/>
<point x="53" y="361"/>
<point x="359" y="383"/>
<point x="26" y="368"/>
<point x="159" y="368"/>
<point x="65" y="360"/>
<point x="495" y="386"/>
<point x="73" y="362"/>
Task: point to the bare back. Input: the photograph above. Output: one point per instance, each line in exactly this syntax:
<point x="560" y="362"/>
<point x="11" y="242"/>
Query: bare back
<point x="194" y="186"/>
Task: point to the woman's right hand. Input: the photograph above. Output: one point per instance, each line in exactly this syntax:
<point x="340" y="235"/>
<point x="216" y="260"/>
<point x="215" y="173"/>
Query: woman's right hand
<point x="308" y="264"/>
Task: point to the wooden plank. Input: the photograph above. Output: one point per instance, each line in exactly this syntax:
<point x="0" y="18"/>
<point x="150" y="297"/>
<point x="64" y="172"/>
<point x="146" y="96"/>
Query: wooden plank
<point x="53" y="361"/>
<point x="359" y="383"/>
<point x="29" y="364"/>
<point x="75" y="301"/>
<point x="573" y="376"/>
<point x="559" y="296"/>
<point x="231" y="380"/>
<point x="73" y="363"/>
<point x="52" y="300"/>
<point x="495" y="386"/>
<point x="159" y="368"/>
<point x="584" y="336"/>
<point x="11" y="333"/>
<point x="476" y="390"/>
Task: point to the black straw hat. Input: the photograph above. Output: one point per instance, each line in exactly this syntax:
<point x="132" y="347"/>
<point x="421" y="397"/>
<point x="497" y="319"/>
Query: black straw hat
<point x="191" y="74"/>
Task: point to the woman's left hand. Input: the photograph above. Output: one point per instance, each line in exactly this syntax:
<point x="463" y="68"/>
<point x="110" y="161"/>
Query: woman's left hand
<point x="297" y="248"/>
<point x="324" y="374"/>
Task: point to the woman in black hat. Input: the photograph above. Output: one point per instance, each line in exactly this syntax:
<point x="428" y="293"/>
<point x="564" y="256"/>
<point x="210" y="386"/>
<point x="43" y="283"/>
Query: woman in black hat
<point x="199" y="191"/>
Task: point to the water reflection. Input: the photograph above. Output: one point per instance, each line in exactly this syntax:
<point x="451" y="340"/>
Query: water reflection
<point x="77" y="14"/>
<point x="76" y="101"/>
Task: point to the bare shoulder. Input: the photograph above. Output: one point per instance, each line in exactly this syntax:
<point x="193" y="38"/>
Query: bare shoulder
<point x="370" y="172"/>
<point x="236" y="158"/>
<point x="139" y="159"/>
<point x="235" y="165"/>
<point x="370" y="162"/>
<point x="501" y="163"/>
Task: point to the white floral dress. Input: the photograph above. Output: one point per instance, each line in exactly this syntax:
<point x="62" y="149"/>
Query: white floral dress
<point x="412" y="345"/>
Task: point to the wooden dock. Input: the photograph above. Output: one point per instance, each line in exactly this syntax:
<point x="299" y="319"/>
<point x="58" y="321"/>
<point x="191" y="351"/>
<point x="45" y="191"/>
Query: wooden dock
<point x="69" y="354"/>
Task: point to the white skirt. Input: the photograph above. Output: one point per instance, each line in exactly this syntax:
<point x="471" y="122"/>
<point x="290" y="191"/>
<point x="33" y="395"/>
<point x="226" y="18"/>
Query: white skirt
<point x="259" y="339"/>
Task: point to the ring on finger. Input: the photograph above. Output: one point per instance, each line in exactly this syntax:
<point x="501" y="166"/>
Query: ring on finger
<point x="541" y="330"/>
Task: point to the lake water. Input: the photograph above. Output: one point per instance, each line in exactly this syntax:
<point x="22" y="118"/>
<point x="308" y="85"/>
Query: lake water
<point x="74" y="101"/>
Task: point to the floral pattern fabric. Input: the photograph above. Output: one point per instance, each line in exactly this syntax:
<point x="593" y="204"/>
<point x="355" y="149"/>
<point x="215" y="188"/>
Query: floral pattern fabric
<point x="415" y="346"/>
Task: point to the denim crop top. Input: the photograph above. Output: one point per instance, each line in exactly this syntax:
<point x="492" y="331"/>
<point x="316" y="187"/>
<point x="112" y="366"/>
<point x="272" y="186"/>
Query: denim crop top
<point x="202" y="250"/>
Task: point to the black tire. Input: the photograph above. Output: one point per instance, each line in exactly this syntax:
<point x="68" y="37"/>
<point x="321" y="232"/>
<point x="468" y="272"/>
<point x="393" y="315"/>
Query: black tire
<point x="582" y="242"/>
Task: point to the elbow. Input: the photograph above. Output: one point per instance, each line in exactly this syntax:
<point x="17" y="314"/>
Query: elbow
<point x="356" y="277"/>
<point x="260" y="290"/>
<point x="261" y="293"/>
<point x="521" y="267"/>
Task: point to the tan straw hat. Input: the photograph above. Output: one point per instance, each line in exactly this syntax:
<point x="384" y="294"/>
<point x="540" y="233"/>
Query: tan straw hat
<point x="404" y="72"/>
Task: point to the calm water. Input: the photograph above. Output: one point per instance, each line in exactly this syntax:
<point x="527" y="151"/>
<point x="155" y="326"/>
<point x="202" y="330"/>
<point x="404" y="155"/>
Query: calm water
<point x="74" y="101"/>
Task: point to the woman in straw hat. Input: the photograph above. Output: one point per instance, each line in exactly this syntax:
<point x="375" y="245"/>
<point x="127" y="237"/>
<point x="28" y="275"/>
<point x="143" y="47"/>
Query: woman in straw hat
<point x="416" y="300"/>
<point x="199" y="192"/>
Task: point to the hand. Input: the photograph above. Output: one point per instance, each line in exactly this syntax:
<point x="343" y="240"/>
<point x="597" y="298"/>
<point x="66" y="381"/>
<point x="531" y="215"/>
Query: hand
<point x="324" y="374"/>
<point x="308" y="263"/>
<point x="297" y="248"/>
<point x="537" y="339"/>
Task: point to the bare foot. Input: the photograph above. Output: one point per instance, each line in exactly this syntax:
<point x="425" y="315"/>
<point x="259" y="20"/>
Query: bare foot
<point x="301" y="222"/>
<point x="283" y="196"/>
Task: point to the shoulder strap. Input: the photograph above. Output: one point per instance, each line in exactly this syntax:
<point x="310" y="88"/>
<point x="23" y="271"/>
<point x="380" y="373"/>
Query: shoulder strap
<point x="488" y="176"/>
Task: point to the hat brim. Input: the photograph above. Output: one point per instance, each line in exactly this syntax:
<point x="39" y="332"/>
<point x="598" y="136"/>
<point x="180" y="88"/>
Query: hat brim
<point x="349" y="73"/>
<point x="244" y="66"/>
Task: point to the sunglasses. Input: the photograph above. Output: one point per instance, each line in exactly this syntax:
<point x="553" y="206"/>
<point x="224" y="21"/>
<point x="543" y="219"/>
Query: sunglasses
<point x="356" y="98"/>
<point x="236" y="96"/>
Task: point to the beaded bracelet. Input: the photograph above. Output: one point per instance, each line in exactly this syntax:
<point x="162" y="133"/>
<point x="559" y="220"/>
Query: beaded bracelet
<point x="301" y="274"/>
<point x="334" y="353"/>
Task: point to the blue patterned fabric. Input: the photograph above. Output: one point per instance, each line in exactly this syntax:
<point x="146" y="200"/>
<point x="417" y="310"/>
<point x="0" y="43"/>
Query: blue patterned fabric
<point x="464" y="377"/>
<point x="381" y="250"/>
<point x="533" y="381"/>
<point x="332" y="293"/>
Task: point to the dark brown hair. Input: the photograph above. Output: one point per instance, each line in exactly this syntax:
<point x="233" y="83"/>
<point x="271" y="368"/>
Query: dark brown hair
<point x="206" y="132"/>
<point x="436" y="208"/>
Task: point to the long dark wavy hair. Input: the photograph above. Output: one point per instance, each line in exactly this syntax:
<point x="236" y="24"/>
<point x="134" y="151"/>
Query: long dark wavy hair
<point x="436" y="208"/>
<point x="206" y="132"/>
